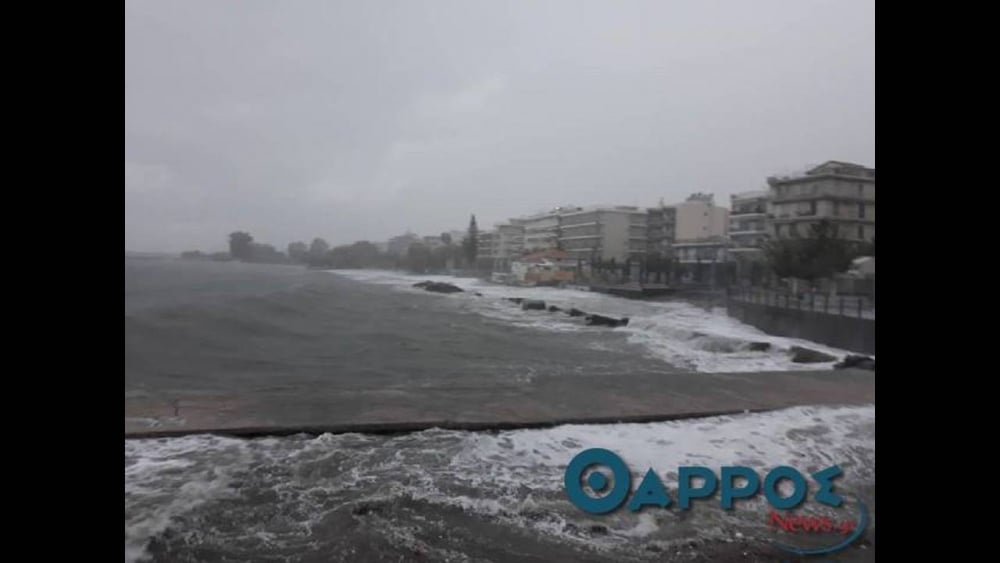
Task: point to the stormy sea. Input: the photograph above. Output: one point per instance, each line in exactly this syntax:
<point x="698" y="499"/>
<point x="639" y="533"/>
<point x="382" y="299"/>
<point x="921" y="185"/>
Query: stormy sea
<point x="203" y="329"/>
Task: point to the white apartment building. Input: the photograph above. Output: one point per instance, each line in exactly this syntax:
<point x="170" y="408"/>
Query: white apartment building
<point x="701" y="230"/>
<point x="487" y="245"/>
<point x="541" y="231"/>
<point x="840" y="192"/>
<point x="661" y="229"/>
<point x="748" y="224"/>
<point x="603" y="233"/>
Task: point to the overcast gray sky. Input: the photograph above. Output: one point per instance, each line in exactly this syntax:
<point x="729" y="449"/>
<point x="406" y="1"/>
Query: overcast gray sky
<point x="362" y="119"/>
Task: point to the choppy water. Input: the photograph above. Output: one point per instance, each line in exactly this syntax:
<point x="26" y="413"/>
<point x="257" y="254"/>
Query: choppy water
<point x="195" y="328"/>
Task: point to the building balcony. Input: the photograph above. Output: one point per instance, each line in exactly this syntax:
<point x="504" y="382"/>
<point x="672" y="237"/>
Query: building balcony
<point x="785" y="218"/>
<point x="848" y="198"/>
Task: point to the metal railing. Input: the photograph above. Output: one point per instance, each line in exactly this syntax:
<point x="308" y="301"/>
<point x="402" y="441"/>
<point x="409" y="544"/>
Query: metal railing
<point x="845" y="305"/>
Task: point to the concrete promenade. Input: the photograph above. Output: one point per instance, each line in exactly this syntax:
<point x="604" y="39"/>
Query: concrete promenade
<point x="541" y="402"/>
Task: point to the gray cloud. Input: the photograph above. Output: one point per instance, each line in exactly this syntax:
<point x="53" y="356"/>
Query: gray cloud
<point x="357" y="120"/>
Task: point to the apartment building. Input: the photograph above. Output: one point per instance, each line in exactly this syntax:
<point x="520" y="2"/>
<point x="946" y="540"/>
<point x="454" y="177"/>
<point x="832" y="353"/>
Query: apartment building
<point x="603" y="233"/>
<point x="486" y="248"/>
<point x="748" y="224"/>
<point x="661" y="227"/>
<point x="701" y="230"/>
<point x="399" y="245"/>
<point x="840" y="192"/>
<point x="541" y="230"/>
<point x="510" y="239"/>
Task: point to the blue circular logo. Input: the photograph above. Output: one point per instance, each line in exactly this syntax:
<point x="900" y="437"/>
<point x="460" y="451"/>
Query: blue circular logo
<point x="597" y="481"/>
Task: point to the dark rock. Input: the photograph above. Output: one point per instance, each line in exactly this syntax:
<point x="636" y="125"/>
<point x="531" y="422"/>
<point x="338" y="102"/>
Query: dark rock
<point x="576" y="313"/>
<point x="438" y="287"/>
<point x="553" y="309"/>
<point x="477" y="294"/>
<point x="601" y="320"/>
<point x="533" y="305"/>
<point x="802" y="355"/>
<point x="856" y="361"/>
<point x="598" y="529"/>
<point x="515" y="299"/>
<point x="759" y="346"/>
<point x="364" y="508"/>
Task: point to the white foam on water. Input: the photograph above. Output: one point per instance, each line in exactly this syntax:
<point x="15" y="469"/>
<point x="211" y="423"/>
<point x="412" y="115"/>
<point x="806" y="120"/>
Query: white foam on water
<point x="807" y="438"/>
<point x="679" y="333"/>
<point x="160" y="484"/>
<point x="511" y="477"/>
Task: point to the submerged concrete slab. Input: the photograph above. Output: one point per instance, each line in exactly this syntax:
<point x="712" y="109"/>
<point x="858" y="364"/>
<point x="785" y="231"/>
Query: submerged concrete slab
<point x="539" y="402"/>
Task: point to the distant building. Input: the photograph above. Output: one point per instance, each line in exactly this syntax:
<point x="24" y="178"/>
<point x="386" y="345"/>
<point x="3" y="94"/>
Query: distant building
<point x="748" y="224"/>
<point x="701" y="230"/>
<point x="661" y="228"/>
<point x="840" y="192"/>
<point x="433" y="241"/>
<point x="486" y="249"/>
<point x="508" y="244"/>
<point x="541" y="230"/>
<point x="399" y="245"/>
<point x="603" y="233"/>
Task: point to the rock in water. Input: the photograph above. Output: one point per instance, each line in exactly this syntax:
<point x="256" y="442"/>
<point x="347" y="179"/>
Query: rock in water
<point x="576" y="313"/>
<point x="759" y="346"/>
<point x="553" y="309"/>
<point x="802" y="355"/>
<point x="601" y="320"/>
<point x="438" y="287"/>
<point x="856" y="361"/>
<point x="533" y="305"/>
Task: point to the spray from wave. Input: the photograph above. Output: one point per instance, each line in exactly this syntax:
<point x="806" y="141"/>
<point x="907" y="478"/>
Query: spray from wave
<point x="679" y="333"/>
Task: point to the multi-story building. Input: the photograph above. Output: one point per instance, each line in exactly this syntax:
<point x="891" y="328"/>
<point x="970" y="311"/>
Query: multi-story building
<point x="661" y="226"/>
<point x="433" y="241"/>
<point x="700" y="235"/>
<point x="486" y="248"/>
<point x="603" y="233"/>
<point x="541" y="230"/>
<point x="748" y="225"/>
<point x="839" y="192"/>
<point x="399" y="245"/>
<point x="510" y="239"/>
<point x="508" y="244"/>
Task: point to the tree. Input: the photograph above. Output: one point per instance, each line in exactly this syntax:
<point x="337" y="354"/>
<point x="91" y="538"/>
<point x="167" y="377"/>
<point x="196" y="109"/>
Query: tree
<point x="471" y="242"/>
<point x="318" y="250"/>
<point x="446" y="238"/>
<point x="418" y="258"/>
<point x="241" y="246"/>
<point x="819" y="255"/>
<point x="266" y="254"/>
<point x="297" y="251"/>
<point x="361" y="254"/>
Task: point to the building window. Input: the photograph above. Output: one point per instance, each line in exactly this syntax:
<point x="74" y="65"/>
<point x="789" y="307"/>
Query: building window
<point x="861" y="211"/>
<point x="861" y="232"/>
<point x="861" y="190"/>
